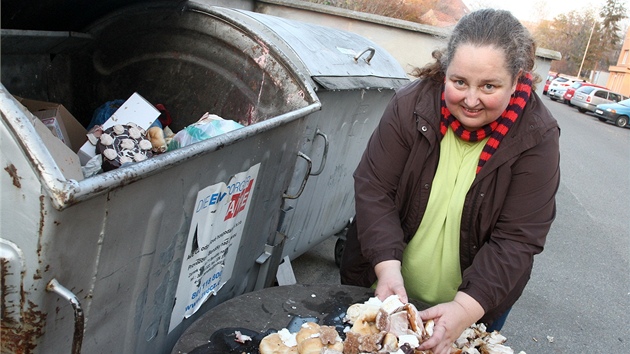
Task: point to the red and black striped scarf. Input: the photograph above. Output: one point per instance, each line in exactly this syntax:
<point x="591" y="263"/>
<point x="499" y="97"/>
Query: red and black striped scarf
<point x="495" y="130"/>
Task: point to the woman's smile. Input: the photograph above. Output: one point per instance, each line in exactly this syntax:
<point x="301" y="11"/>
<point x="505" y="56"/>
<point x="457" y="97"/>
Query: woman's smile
<point x="470" y="111"/>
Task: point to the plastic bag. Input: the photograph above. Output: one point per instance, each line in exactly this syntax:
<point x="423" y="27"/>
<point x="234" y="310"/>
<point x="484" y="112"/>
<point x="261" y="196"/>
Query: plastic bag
<point x="102" y="113"/>
<point x="208" y="126"/>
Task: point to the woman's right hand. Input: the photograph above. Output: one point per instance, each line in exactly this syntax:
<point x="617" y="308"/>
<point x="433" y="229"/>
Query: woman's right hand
<point x="390" y="281"/>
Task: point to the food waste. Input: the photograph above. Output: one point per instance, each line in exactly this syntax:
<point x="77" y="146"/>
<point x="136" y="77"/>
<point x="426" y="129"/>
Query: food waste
<point x="379" y="327"/>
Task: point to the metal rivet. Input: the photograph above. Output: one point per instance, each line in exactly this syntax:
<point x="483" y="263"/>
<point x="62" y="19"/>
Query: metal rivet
<point x="424" y="128"/>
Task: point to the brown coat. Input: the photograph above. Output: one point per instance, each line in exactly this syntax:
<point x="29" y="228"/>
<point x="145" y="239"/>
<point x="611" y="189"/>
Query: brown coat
<point x="507" y="212"/>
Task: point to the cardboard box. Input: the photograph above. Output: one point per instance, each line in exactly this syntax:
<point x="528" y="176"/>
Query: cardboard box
<point x="59" y="121"/>
<point x="136" y="109"/>
<point x="52" y="120"/>
<point x="61" y="133"/>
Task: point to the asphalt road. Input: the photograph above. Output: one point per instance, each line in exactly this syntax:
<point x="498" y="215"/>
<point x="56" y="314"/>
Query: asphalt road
<point x="578" y="300"/>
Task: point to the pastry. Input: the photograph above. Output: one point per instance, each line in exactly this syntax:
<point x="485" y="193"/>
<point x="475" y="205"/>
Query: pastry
<point x="388" y="327"/>
<point x="273" y="344"/>
<point x="123" y="144"/>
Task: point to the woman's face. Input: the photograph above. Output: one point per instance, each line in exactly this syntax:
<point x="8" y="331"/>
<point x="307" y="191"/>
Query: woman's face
<point x="478" y="85"/>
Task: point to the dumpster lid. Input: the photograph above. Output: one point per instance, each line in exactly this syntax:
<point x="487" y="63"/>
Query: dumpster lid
<point x="325" y="54"/>
<point x="333" y="58"/>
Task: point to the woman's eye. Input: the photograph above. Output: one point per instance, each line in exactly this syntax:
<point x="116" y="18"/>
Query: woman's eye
<point x="459" y="82"/>
<point x="488" y="87"/>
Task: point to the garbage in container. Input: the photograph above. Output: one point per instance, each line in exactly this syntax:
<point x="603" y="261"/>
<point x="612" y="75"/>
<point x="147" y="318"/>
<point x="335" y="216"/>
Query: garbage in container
<point x="61" y="134"/>
<point x="125" y="132"/>
<point x="102" y="113"/>
<point x="208" y="126"/>
<point x="136" y="111"/>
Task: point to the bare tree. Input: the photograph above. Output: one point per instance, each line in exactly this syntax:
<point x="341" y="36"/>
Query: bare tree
<point x="611" y="35"/>
<point x="586" y="41"/>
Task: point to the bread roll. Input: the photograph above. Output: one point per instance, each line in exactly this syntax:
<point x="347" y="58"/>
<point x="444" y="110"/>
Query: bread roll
<point x="273" y="344"/>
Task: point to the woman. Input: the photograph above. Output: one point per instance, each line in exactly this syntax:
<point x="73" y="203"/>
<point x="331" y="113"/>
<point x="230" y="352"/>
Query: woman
<point x="455" y="192"/>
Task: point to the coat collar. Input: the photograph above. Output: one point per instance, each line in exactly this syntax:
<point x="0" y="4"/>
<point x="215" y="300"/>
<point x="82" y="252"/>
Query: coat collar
<point x="526" y="132"/>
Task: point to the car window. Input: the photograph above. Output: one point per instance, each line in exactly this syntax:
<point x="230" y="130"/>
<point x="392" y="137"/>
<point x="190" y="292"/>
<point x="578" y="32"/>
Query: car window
<point x="587" y="89"/>
<point x="600" y="93"/>
<point x="576" y="85"/>
<point x="613" y="96"/>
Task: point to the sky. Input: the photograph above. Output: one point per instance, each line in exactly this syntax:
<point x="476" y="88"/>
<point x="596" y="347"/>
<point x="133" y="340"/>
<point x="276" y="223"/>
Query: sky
<point x="534" y="10"/>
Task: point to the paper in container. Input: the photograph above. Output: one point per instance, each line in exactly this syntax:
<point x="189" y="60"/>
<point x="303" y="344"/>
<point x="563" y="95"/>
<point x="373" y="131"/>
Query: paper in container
<point x="136" y="110"/>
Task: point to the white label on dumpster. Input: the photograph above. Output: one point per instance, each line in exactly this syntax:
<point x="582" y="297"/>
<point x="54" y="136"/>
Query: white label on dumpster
<point x="213" y="240"/>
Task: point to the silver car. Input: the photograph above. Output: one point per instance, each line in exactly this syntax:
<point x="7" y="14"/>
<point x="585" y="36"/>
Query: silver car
<point x="557" y="93"/>
<point x="586" y="98"/>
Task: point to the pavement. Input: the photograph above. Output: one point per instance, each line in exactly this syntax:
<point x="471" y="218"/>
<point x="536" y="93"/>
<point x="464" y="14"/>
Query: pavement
<point x="317" y="266"/>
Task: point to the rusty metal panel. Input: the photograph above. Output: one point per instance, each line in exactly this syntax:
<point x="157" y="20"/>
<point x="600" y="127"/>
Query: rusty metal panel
<point x="23" y="318"/>
<point x="23" y="321"/>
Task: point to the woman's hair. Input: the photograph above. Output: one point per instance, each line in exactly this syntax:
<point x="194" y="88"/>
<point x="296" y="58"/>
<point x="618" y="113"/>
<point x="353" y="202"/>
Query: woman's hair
<point x="486" y="27"/>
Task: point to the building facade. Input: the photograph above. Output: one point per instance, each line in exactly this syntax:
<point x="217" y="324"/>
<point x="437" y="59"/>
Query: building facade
<point x="619" y="78"/>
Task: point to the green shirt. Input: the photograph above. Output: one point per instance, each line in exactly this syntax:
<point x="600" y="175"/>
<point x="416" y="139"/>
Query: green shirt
<point x="430" y="265"/>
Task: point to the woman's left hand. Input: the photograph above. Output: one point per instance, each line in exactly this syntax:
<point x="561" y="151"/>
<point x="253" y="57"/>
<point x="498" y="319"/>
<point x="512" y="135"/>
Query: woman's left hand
<point x="451" y="319"/>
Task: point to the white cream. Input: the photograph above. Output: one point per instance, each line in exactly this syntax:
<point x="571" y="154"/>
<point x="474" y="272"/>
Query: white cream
<point x="134" y="133"/>
<point x="391" y="304"/>
<point x="409" y="339"/>
<point x="127" y="144"/>
<point x="106" y="139"/>
<point x="287" y="337"/>
<point x="145" y="144"/>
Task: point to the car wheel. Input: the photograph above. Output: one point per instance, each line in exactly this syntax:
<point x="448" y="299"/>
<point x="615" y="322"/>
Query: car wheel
<point x="582" y="110"/>
<point x="621" y="121"/>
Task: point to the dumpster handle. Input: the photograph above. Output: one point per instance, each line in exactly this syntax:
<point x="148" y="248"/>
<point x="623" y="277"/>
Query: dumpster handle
<point x="60" y="290"/>
<point x="308" y="172"/>
<point x="368" y="49"/>
<point x="325" y="155"/>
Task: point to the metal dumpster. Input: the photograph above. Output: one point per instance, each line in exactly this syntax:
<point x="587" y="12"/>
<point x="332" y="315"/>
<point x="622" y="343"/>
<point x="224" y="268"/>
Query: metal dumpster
<point x="354" y="94"/>
<point x="114" y="262"/>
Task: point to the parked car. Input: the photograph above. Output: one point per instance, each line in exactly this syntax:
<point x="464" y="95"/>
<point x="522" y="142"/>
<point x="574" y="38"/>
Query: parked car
<point x="557" y="93"/>
<point x="560" y="82"/>
<point x="617" y="113"/>
<point x="550" y="76"/>
<point x="568" y="94"/>
<point x="586" y="98"/>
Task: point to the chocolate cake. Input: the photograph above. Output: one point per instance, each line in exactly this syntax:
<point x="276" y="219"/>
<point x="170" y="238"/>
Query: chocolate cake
<point x="123" y="144"/>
